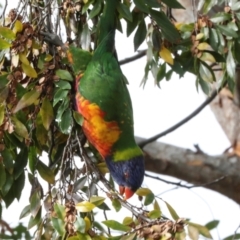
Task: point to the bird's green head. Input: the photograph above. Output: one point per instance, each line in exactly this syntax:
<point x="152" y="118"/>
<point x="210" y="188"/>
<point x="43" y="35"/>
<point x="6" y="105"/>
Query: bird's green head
<point x="128" y="174"/>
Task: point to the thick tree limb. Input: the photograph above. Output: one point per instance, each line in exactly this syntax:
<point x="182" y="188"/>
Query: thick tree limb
<point x="195" y="167"/>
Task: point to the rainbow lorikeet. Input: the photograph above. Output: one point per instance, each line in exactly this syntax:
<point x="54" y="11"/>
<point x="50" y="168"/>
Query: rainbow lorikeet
<point x="104" y="102"/>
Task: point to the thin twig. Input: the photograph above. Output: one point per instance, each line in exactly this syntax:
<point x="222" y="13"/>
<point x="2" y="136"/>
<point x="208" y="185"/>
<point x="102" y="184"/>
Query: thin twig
<point x="4" y="10"/>
<point x="179" y="184"/>
<point x="183" y="121"/>
<point x="133" y="58"/>
<point x="235" y="233"/>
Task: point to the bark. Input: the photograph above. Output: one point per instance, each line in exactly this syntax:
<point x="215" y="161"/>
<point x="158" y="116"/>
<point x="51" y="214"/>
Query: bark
<point x="195" y="167"/>
<point x="226" y="108"/>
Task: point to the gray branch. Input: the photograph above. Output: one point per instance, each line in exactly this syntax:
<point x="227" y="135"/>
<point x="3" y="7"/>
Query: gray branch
<point x="195" y="167"/>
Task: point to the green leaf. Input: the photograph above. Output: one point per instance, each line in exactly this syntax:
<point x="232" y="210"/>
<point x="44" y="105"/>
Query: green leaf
<point x="230" y="64"/>
<point x="116" y="204"/>
<point x="233" y="26"/>
<point x="46" y="112"/>
<point x="32" y="158"/>
<point x="18" y="26"/>
<point x="227" y="31"/>
<point x="207" y="57"/>
<point x="96" y="9"/>
<point x="173" y="4"/>
<point x="45" y="172"/>
<point x="124" y="11"/>
<point x="153" y="3"/>
<point x="2" y="175"/>
<point x="4" y="44"/>
<point x="59" y="210"/>
<point x="154" y="214"/>
<point x="204" y="46"/>
<point x="220" y="17"/>
<point x="161" y="72"/>
<point x="34" y="221"/>
<point x="20" y="162"/>
<point x="27" y="99"/>
<point x="19" y="184"/>
<point x="212" y="224"/>
<point x="8" y="184"/>
<point x="140" y="4"/>
<point x="220" y="38"/>
<point x="206" y="5"/>
<point x="149" y="199"/>
<point x="79" y="184"/>
<point x="4" y="94"/>
<point x="116" y="225"/>
<point x="213" y="38"/>
<point x="206" y="72"/>
<point x="64" y="85"/>
<point x="29" y="70"/>
<point x="20" y="128"/>
<point x="237" y="50"/>
<point x="140" y="35"/>
<point x="104" y="207"/>
<point x="2" y="113"/>
<point x="35" y="203"/>
<point x="234" y="236"/>
<point x="81" y="236"/>
<point x="23" y="58"/>
<point x="15" y="190"/>
<point x="59" y="226"/>
<point x="66" y="122"/>
<point x="86" y="5"/>
<point x="235" y="6"/>
<point x="7" y="33"/>
<point x="143" y="191"/>
<point x="172" y="211"/>
<point x="127" y="221"/>
<point x="96" y="200"/>
<point x="202" y="230"/>
<point x="156" y="40"/>
<point x="59" y="96"/>
<point x="61" y="109"/>
<point x="193" y="233"/>
<point x="205" y="86"/>
<point x="85" y="206"/>
<point x="64" y="74"/>
<point x="78" y="117"/>
<point x="25" y="212"/>
<point x="131" y="25"/>
<point x="168" y="29"/>
<point x="156" y="206"/>
<point x="80" y="224"/>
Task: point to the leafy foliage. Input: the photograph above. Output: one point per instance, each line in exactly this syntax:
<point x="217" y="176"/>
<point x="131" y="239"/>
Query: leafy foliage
<point x="37" y="117"/>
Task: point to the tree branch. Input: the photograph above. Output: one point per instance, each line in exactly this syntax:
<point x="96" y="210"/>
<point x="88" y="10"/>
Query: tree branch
<point x="179" y="184"/>
<point x="219" y="173"/>
<point x="133" y="58"/>
<point x="183" y="121"/>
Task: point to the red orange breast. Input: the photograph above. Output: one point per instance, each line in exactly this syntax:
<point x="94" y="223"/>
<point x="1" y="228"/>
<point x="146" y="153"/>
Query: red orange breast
<point x="100" y="133"/>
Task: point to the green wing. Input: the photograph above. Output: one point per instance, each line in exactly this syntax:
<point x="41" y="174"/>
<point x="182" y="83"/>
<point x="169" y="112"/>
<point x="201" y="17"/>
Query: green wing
<point x="104" y="84"/>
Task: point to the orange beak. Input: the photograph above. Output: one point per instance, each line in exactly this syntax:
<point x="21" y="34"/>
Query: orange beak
<point x="128" y="192"/>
